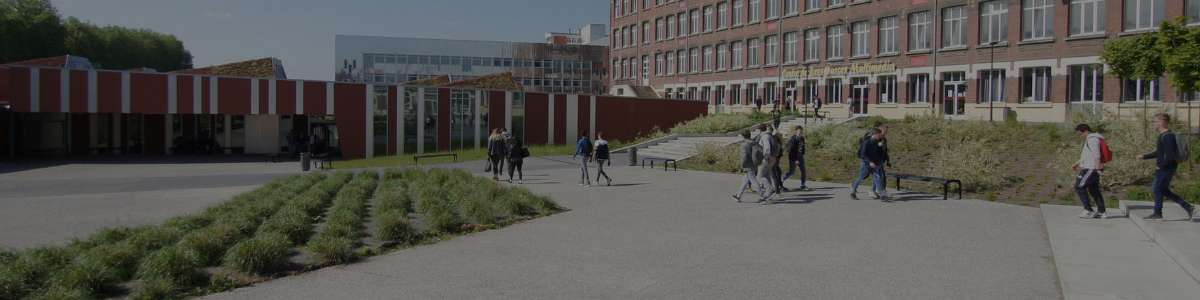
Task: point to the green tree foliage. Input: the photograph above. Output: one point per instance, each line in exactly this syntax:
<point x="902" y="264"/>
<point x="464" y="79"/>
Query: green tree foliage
<point x="1180" y="48"/>
<point x="32" y="29"/>
<point x="1136" y="57"/>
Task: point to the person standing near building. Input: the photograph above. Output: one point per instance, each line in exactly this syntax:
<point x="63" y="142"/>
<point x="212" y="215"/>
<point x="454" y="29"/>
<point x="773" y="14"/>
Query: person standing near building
<point x="796" y="149"/>
<point x="873" y="156"/>
<point x="816" y="107"/>
<point x="777" y="116"/>
<point x="516" y="154"/>
<point x="1087" y="182"/>
<point x="776" y="170"/>
<point x="601" y="155"/>
<point x="495" y="152"/>
<point x="583" y="148"/>
<point x="1167" y="158"/>
<point x="751" y="157"/>
<point x="770" y="150"/>
<point x="757" y="104"/>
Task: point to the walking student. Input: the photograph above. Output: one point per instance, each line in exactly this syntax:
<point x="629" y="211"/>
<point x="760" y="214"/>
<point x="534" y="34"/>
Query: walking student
<point x="1167" y="158"/>
<point x="770" y="150"/>
<point x="601" y="155"/>
<point x="751" y="157"/>
<point x="776" y="171"/>
<point x="873" y="157"/>
<point x="516" y="159"/>
<point x="583" y="148"/>
<point x="495" y="152"/>
<point x="1088" y="169"/>
<point x="796" y="149"/>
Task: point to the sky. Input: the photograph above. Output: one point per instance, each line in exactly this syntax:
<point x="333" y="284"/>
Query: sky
<point x="300" y="32"/>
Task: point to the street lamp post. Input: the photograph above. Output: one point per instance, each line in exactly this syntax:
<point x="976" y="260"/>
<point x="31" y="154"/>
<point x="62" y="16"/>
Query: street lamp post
<point x="991" y="81"/>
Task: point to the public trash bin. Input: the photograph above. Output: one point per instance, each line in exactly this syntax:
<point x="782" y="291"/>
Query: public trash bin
<point x="305" y="157"/>
<point x="633" y="156"/>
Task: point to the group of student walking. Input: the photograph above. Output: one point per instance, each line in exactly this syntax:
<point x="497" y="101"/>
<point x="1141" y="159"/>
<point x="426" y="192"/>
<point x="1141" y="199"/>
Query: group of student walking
<point x="762" y="152"/>
<point x="503" y="148"/>
<point x="586" y="152"/>
<point x="1169" y="152"/>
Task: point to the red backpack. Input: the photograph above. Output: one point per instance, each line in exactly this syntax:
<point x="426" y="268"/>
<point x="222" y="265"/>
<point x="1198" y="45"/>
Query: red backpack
<point x="1106" y="154"/>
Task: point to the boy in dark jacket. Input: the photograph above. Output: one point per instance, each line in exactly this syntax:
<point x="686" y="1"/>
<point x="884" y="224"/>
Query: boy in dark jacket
<point x="873" y="155"/>
<point x="516" y="159"/>
<point x="583" y="148"/>
<point x="601" y="155"/>
<point x="796" y="148"/>
<point x="1166" y="156"/>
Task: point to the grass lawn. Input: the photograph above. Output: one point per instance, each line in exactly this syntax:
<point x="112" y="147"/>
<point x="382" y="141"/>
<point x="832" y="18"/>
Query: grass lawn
<point x="290" y="225"/>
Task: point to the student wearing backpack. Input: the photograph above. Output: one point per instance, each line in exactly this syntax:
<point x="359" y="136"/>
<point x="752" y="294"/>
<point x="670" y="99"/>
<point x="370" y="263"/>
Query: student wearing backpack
<point x="601" y="155"/>
<point x="496" y="153"/>
<point x="873" y="156"/>
<point x="796" y="149"/>
<point x="1167" y="157"/>
<point x="771" y="152"/>
<point x="751" y="157"/>
<point x="516" y="159"/>
<point x="1091" y="162"/>
<point x="583" y="148"/>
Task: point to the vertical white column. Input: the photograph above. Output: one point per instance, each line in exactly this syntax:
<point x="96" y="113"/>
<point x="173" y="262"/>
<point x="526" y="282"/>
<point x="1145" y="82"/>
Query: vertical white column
<point x="478" y="107"/>
<point x="229" y="134"/>
<point x="64" y="92"/>
<point x="172" y="94"/>
<point x="125" y="92"/>
<point x="271" y="97"/>
<point x="369" y="115"/>
<point x="35" y="93"/>
<point x="213" y="98"/>
<point x="197" y="92"/>
<point x="254" y="96"/>
<point x="329" y="98"/>
<point x="550" y="121"/>
<point x="572" y="117"/>
<point x="299" y="97"/>
<point x="400" y="93"/>
<point x="92" y="92"/>
<point x="168" y="134"/>
<point x="592" y="117"/>
<point x="508" y="104"/>
<point x="420" y="98"/>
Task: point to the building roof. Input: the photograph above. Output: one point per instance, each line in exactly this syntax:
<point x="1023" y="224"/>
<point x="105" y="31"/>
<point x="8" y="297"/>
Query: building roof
<point x="498" y="81"/>
<point x="432" y="81"/>
<point x="61" y="61"/>
<point x="267" y="67"/>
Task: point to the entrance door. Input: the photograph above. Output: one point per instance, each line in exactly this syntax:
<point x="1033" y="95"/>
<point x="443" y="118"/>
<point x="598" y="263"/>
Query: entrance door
<point x="858" y="96"/>
<point x="954" y="93"/>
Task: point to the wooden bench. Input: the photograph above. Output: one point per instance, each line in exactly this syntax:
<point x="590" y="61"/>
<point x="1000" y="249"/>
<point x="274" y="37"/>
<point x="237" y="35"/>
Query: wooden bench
<point x="945" y="183"/>
<point x="417" y="158"/>
<point x="665" y="161"/>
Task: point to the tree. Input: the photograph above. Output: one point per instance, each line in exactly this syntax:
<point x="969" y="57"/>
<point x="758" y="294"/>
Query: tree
<point x="29" y="29"/>
<point x="1180" y="46"/>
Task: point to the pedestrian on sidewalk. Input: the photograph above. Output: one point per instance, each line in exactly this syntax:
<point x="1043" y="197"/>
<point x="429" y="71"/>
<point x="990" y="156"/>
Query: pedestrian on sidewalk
<point x="495" y="152"/>
<point x="770" y="148"/>
<point x="883" y="129"/>
<point x="752" y="156"/>
<point x="873" y="156"/>
<point x="1088" y="169"/>
<point x="601" y="155"/>
<point x="777" y="116"/>
<point x="1167" y="158"/>
<point x="797" y="147"/>
<point x="583" y="151"/>
<point x="776" y="170"/>
<point x="816" y="107"/>
<point x="516" y="159"/>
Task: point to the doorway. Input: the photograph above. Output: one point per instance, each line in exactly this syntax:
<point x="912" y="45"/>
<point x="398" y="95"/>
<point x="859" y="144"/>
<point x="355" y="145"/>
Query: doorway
<point x="859" y="89"/>
<point x="954" y="93"/>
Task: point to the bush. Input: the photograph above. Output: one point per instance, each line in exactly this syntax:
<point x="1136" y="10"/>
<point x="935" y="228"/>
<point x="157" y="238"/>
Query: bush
<point x="332" y="249"/>
<point x="154" y="289"/>
<point x="187" y="223"/>
<point x="27" y="272"/>
<point x="152" y="238"/>
<point x="209" y="243"/>
<point x="478" y="211"/>
<point x="60" y="293"/>
<point x="262" y="254"/>
<point x="717" y="158"/>
<point x="172" y="263"/>
<point x="122" y="258"/>
<point x="87" y="273"/>
<point x="1138" y="193"/>
<point x="291" y="222"/>
<point x="440" y="216"/>
<point x="720" y="123"/>
<point x="393" y="226"/>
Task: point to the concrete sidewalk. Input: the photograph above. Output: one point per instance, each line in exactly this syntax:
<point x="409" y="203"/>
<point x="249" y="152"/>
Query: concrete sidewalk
<point x="678" y="235"/>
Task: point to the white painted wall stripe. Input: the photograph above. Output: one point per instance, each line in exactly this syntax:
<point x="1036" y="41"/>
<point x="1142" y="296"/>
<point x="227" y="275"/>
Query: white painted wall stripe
<point x="299" y="97"/>
<point x="508" y="104"/>
<point x="572" y="117"/>
<point x="254" y="96"/>
<point x="213" y="95"/>
<point x="399" y="100"/>
<point x="479" y="99"/>
<point x="369" y="117"/>
<point x="271" y="97"/>
<point x="550" y="121"/>
<point x="64" y="90"/>
<point x="592" y="117"/>
<point x="197" y="92"/>
<point x="172" y="93"/>
<point x="420" y="98"/>
<point x="93" y="93"/>
<point x="34" y="92"/>
<point x="329" y="98"/>
<point x="125" y="92"/>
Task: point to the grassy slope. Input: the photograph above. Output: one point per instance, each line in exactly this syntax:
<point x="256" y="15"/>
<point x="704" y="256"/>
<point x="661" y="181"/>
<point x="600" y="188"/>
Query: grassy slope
<point x="1012" y="162"/>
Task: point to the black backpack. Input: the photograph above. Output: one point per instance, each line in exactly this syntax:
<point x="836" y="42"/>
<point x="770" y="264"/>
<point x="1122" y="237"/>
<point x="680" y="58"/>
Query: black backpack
<point x="602" y="151"/>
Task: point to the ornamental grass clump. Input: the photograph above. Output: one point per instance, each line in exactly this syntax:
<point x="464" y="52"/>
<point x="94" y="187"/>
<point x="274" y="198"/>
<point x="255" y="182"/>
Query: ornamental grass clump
<point x="209" y="243"/>
<point x="154" y="289"/>
<point x="336" y="240"/>
<point x="394" y="226"/>
<point x="173" y="264"/>
<point x="263" y="254"/>
<point x="86" y="273"/>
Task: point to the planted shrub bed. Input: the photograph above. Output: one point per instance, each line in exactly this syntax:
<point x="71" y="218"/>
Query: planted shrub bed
<point x="255" y="235"/>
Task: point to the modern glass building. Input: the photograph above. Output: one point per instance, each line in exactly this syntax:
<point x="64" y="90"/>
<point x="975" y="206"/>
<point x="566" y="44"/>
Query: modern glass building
<point x="538" y="67"/>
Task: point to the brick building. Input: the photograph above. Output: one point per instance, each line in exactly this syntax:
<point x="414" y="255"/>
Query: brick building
<point x="1034" y="60"/>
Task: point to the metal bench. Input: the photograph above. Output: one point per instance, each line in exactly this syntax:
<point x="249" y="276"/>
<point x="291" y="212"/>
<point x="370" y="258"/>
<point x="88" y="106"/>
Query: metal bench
<point x="417" y="158"/>
<point x="665" y="161"/>
<point x="944" y="181"/>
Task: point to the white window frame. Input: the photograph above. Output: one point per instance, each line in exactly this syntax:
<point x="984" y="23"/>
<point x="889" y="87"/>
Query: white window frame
<point x="1191" y="10"/>
<point x="708" y="18"/>
<point x="685" y="24"/>
<point x="918" y="31"/>
<point x="739" y="55"/>
<point x="670" y="27"/>
<point x="1134" y="10"/>
<point x="993" y="22"/>
<point x="836" y="3"/>
<point x="789" y="47"/>
<point x="709" y="59"/>
<point x="991" y="85"/>
<point x="833" y="42"/>
<point x="646" y="32"/>
<point x="918" y="88"/>
<point x="812" y="45"/>
<point x="1035" y="84"/>
<point x="754" y="10"/>
<point x="772" y="55"/>
<point x="791" y="7"/>
<point x="645" y="67"/>
<point x="1087" y="17"/>
<point x="812" y="5"/>
<point x="697" y="26"/>
<point x="888" y="26"/>
<point x="753" y="53"/>
<point x="1152" y="87"/>
<point x="887" y="88"/>
<point x="861" y="39"/>
<point x="682" y="64"/>
<point x="954" y="25"/>
<point x="660" y="64"/>
<point x="1037" y="19"/>
<point x="833" y="90"/>
<point x="773" y="9"/>
<point x="670" y="62"/>
<point x="738" y="9"/>
<point x="722" y="15"/>
<point x="1087" y="73"/>
<point x="722" y="56"/>
<point x="695" y="63"/>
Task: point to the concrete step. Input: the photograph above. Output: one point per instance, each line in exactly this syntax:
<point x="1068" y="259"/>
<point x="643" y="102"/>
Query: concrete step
<point x="1111" y="259"/>
<point x="1178" y="236"/>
